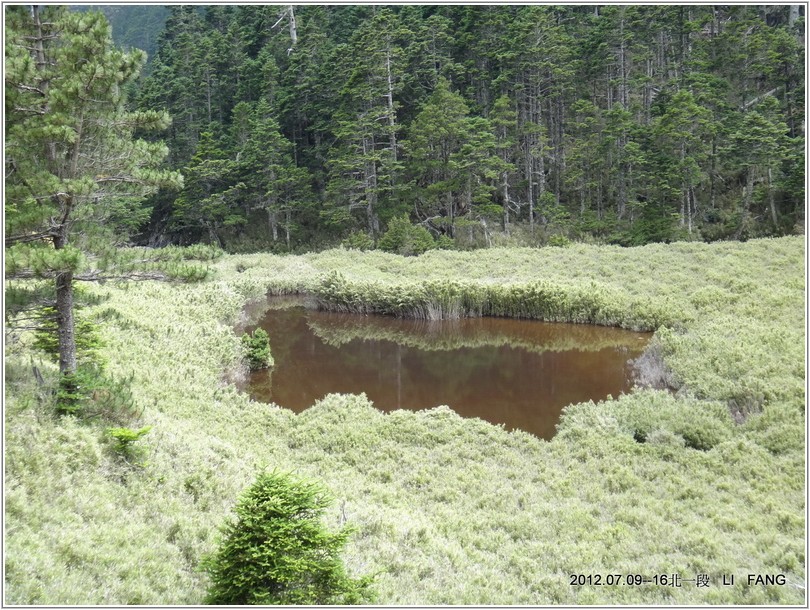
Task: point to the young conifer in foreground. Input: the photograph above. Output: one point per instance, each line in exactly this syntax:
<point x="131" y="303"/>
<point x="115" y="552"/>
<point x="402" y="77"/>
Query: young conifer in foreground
<point x="278" y="551"/>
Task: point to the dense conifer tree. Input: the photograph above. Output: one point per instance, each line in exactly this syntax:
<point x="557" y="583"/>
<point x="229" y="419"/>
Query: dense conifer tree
<point x="73" y="168"/>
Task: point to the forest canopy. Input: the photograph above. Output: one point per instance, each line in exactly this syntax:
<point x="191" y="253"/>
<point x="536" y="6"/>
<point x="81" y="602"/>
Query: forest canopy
<point x="297" y="127"/>
<point x="300" y="126"/>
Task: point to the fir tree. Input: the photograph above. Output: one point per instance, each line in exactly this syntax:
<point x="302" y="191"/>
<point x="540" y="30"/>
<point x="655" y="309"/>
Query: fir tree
<point x="208" y="201"/>
<point x="451" y="158"/>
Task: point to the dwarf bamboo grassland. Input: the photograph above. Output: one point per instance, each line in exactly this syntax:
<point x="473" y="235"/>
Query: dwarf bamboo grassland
<point x="446" y="510"/>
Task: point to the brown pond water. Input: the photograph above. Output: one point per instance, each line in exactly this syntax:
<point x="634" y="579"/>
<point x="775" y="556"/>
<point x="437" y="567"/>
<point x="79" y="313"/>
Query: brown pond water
<point x="519" y="373"/>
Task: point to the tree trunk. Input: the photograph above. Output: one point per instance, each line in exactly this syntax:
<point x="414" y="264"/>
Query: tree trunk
<point x="713" y="175"/>
<point x="541" y="163"/>
<point x="505" y="176"/>
<point x="39" y="49"/>
<point x="771" y="202"/>
<point x="684" y="189"/>
<point x="486" y="233"/>
<point x="466" y="202"/>
<point x="41" y="62"/>
<point x="389" y="96"/>
<point x="293" y="26"/>
<point x="208" y="91"/>
<point x="691" y="207"/>
<point x="747" y="196"/>
<point x="792" y="18"/>
<point x="214" y="236"/>
<point x="622" y="203"/>
<point x="623" y="95"/>
<point x="794" y="14"/>
<point x="65" y="327"/>
<point x="65" y="324"/>
<point x="370" y="188"/>
<point x="581" y="183"/>
<point x="530" y="185"/>
<point x="600" y="203"/>
<point x="273" y="223"/>
<point x="561" y="163"/>
<point x="648" y="91"/>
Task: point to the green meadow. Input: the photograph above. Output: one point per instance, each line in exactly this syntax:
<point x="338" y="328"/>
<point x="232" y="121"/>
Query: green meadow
<point x="703" y="477"/>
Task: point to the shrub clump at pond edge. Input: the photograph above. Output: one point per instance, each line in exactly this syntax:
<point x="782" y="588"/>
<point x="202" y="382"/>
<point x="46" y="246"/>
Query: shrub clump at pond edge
<point x="257" y="349"/>
<point x="441" y="300"/>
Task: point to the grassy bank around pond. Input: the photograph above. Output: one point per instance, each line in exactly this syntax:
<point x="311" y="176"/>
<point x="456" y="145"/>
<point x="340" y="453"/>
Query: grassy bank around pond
<point x="447" y="510"/>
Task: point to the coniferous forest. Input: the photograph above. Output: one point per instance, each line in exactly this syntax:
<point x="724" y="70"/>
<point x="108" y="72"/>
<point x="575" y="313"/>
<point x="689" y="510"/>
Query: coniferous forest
<point x="299" y="127"/>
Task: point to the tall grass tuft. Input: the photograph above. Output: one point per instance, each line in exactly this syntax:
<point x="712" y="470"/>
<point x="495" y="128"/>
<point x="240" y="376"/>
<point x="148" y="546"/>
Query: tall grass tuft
<point x="451" y="300"/>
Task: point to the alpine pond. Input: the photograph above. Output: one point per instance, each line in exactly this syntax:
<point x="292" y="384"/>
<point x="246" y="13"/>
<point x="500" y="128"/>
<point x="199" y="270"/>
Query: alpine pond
<point x="519" y="373"/>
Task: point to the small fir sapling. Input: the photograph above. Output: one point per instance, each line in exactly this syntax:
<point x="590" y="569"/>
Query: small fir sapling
<point x="277" y="550"/>
<point x="257" y="349"/>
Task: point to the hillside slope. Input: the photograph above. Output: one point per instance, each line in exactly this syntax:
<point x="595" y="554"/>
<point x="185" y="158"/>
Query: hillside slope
<point x="447" y="510"/>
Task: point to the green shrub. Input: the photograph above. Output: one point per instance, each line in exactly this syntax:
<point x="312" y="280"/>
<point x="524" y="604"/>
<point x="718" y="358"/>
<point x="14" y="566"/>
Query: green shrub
<point x="125" y="438"/>
<point x="559" y="241"/>
<point x="199" y="252"/>
<point x="257" y="349"/>
<point x="358" y="241"/>
<point x="74" y="390"/>
<point x="406" y="239"/>
<point x="91" y="394"/>
<point x="277" y="551"/>
<point x="445" y="242"/>
<point x="88" y="341"/>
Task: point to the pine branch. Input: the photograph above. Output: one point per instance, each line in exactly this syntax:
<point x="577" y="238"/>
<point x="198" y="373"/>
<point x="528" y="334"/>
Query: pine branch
<point x="119" y="179"/>
<point x="759" y="98"/>
<point x="42" y="317"/>
<point x="29" y="88"/>
<point x="280" y="19"/>
<point x="97" y="276"/>
<point x="29" y="110"/>
<point x="21" y="239"/>
<point x="93" y="276"/>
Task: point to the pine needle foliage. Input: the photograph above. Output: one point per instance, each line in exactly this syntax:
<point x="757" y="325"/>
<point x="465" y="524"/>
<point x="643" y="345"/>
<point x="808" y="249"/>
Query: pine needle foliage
<point x="125" y="439"/>
<point x="88" y="341"/>
<point x="257" y="349"/>
<point x="406" y="239"/>
<point x="75" y="169"/>
<point x="277" y="551"/>
<point x="91" y="394"/>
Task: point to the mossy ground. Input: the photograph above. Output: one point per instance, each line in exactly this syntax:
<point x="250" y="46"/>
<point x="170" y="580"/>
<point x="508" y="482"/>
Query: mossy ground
<point x="448" y="510"/>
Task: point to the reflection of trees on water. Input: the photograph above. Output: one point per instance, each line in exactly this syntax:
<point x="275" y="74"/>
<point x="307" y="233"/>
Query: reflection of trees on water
<point x="441" y="335"/>
<point x="516" y="373"/>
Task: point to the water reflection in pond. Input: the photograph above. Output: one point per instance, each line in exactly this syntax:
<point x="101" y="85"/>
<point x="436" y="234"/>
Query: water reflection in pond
<point x="514" y="372"/>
